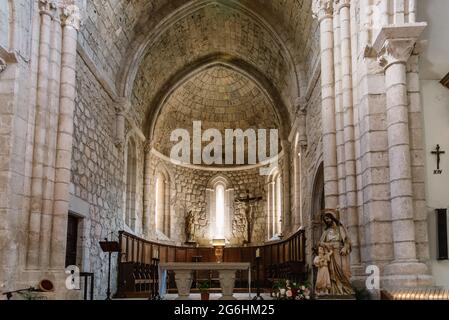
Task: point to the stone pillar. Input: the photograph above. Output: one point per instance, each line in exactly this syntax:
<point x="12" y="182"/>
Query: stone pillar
<point x="394" y="46"/>
<point x="47" y="9"/>
<point x="349" y="136"/>
<point x="51" y="136"/>
<point x="71" y="20"/>
<point x="120" y="108"/>
<point x="339" y="115"/>
<point x="147" y="224"/>
<point x="323" y="9"/>
<point x="167" y="215"/>
<point x="271" y="207"/>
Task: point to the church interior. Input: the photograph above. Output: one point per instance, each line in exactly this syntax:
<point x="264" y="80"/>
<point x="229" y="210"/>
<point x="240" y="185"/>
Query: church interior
<point x="334" y="183"/>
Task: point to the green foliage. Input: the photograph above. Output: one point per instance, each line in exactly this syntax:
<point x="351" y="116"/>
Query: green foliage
<point x="204" y="286"/>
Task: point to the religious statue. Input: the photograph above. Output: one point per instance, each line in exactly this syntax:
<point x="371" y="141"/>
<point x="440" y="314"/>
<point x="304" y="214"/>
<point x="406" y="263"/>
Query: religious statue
<point x="323" y="284"/>
<point x="250" y="212"/>
<point x="336" y="245"/>
<point x="190" y="227"/>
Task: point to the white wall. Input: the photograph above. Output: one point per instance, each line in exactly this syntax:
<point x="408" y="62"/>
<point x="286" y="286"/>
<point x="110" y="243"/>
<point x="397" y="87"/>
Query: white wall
<point x="434" y="65"/>
<point x="435" y="98"/>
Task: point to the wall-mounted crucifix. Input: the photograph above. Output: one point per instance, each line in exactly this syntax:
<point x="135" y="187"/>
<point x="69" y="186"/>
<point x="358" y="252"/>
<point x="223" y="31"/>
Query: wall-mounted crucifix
<point x="250" y="208"/>
<point x="438" y="152"/>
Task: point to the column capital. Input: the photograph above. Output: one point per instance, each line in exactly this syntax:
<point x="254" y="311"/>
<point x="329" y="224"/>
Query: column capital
<point x="122" y="105"/>
<point x="323" y="9"/>
<point x="71" y="17"/>
<point x="340" y="4"/>
<point x="300" y="104"/>
<point x="148" y="145"/>
<point x="47" y="7"/>
<point x="395" y="44"/>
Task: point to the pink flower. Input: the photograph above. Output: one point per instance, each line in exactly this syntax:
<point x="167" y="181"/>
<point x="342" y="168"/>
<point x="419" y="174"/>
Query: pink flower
<point x="289" y="293"/>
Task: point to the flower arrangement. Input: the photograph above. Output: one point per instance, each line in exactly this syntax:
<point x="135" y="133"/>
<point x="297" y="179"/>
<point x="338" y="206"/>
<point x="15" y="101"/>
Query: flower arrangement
<point x="287" y="290"/>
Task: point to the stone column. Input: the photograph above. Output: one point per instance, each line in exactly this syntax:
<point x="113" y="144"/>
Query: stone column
<point x="120" y="109"/>
<point x="47" y="9"/>
<point x="271" y="208"/>
<point x="348" y="125"/>
<point x="323" y="9"/>
<point x="339" y="128"/>
<point x="71" y="20"/>
<point x="147" y="224"/>
<point x="394" y="45"/>
<point x="51" y="136"/>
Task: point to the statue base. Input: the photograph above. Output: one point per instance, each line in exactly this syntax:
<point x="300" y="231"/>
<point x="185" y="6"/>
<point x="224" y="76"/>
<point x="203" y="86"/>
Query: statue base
<point x="190" y="243"/>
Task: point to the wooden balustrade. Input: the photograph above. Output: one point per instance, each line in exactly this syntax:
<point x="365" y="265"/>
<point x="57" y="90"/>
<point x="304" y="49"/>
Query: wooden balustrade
<point x="279" y="259"/>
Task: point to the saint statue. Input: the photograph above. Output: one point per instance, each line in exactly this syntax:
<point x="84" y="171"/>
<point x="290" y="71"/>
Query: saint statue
<point x="336" y="245"/>
<point x="190" y="227"/>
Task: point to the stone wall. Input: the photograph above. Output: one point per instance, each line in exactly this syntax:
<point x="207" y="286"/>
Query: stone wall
<point x="189" y="192"/>
<point x="97" y="174"/>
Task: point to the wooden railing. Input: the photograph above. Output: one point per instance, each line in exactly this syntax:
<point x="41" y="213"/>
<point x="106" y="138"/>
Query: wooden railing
<point x="280" y="259"/>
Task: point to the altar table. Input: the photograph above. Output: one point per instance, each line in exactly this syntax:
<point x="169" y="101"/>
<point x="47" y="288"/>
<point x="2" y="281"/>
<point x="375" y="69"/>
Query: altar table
<point x="184" y="277"/>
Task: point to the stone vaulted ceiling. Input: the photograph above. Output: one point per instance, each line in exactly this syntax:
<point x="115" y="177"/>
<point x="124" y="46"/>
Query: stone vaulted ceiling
<point x="147" y="47"/>
<point x="221" y="98"/>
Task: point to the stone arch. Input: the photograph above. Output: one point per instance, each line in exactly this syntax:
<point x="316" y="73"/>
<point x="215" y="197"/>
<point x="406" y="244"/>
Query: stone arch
<point x="237" y="64"/>
<point x="141" y="43"/>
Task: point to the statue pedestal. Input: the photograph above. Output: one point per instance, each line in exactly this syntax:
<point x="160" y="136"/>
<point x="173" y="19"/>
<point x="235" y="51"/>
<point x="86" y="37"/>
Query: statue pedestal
<point x="191" y="243"/>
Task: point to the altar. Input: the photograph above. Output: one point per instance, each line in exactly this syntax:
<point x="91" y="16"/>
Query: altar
<point x="184" y="277"/>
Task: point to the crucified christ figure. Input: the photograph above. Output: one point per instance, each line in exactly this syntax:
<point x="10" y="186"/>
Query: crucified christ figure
<point x="250" y="203"/>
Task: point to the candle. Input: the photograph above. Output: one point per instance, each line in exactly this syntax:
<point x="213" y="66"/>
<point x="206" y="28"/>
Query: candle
<point x="155" y="254"/>
<point x="258" y="253"/>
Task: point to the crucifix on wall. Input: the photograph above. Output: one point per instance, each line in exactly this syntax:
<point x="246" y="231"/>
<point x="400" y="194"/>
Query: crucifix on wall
<point x="438" y="152"/>
<point x="250" y="212"/>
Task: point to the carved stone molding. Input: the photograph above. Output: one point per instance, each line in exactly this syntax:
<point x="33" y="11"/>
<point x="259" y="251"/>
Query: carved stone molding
<point x="322" y="9"/>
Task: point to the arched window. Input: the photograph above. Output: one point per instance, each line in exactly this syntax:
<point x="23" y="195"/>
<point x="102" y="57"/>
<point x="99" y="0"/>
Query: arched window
<point x="131" y="181"/>
<point x="219" y="209"/>
<point x="162" y="203"/>
<point x="275" y="205"/>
